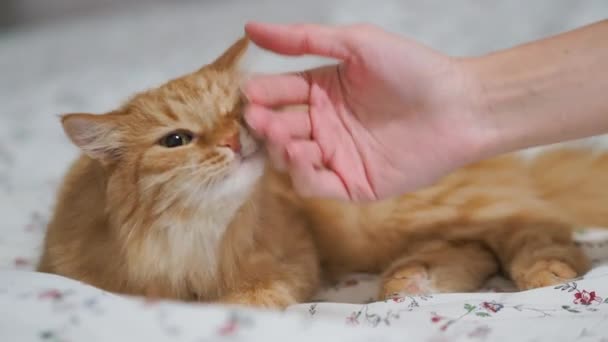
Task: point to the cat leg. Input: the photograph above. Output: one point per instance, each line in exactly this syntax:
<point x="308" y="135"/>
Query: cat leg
<point x="272" y="295"/>
<point x="278" y="291"/>
<point x="538" y="255"/>
<point x="267" y="282"/>
<point x="439" y="266"/>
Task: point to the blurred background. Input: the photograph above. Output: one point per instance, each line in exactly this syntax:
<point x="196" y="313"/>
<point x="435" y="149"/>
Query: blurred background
<point x="19" y="12"/>
<point x="58" y="56"/>
<point x="61" y="56"/>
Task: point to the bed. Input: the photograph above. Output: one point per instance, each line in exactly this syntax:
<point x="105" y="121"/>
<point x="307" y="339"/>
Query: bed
<point x="93" y="63"/>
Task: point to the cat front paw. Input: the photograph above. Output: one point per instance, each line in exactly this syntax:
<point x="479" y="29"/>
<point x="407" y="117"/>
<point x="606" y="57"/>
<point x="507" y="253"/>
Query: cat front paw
<point x="410" y="279"/>
<point x="545" y="273"/>
<point x="260" y="298"/>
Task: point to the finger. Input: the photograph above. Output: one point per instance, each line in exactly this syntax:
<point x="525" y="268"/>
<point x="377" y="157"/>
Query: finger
<point x="299" y="40"/>
<point x="310" y="180"/>
<point x="277" y="90"/>
<point x="321" y="183"/>
<point x="278" y="127"/>
<point x="303" y="152"/>
<point x="307" y="151"/>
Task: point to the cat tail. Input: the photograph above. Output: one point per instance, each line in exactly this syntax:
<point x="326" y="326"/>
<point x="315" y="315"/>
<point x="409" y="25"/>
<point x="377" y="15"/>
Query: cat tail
<point x="576" y="181"/>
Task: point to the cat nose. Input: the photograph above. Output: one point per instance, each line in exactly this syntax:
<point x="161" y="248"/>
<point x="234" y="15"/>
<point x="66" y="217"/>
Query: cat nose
<point x="233" y="142"/>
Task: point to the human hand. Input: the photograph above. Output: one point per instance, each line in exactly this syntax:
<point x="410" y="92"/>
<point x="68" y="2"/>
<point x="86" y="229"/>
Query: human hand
<point x="390" y="117"/>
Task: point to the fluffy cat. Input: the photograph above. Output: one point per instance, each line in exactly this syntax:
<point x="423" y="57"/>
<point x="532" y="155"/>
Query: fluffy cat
<point x="171" y="198"/>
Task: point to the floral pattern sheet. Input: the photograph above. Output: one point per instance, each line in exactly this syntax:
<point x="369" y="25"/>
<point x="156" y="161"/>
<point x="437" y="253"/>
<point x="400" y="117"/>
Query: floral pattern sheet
<point x="42" y="307"/>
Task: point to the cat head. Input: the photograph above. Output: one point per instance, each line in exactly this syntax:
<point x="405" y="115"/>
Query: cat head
<point x="185" y="138"/>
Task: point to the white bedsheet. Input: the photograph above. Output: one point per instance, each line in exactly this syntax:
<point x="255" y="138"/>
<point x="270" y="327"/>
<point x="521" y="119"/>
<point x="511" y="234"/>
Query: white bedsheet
<point x="92" y="64"/>
<point x="41" y="307"/>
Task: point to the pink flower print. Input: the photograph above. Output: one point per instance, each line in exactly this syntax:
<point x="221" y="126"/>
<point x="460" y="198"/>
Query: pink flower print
<point x="398" y="299"/>
<point x="492" y="306"/>
<point x="435" y="318"/>
<point x="235" y="323"/>
<point x="586" y="298"/>
<point x="353" y="319"/>
<point x="51" y="294"/>
<point x="21" y="262"/>
<point x="228" y="329"/>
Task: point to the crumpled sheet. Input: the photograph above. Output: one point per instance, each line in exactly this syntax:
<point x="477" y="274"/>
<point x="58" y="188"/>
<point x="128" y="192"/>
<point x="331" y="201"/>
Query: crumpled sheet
<point x="43" y="307"/>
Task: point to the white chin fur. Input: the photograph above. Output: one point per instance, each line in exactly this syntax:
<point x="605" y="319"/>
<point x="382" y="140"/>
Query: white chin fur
<point x="240" y="179"/>
<point x="197" y="238"/>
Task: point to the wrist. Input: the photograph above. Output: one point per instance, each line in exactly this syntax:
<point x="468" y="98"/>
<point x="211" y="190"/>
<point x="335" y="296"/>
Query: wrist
<point x="503" y="100"/>
<point x="539" y="93"/>
<point x="481" y="134"/>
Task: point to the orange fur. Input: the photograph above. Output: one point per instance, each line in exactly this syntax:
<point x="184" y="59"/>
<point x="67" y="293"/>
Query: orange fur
<point x="190" y="222"/>
<point x="490" y="216"/>
<point x="206" y="221"/>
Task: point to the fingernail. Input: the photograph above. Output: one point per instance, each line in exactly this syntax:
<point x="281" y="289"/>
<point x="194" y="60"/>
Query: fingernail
<point x="289" y="153"/>
<point x="243" y="85"/>
<point x="247" y="116"/>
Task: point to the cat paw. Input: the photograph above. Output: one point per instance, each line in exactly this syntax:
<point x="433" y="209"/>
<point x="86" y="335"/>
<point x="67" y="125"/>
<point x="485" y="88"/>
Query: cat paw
<point x="261" y="298"/>
<point x="545" y="273"/>
<point x="407" y="279"/>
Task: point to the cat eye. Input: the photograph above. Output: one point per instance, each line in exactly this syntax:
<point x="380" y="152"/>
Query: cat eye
<point x="176" y="139"/>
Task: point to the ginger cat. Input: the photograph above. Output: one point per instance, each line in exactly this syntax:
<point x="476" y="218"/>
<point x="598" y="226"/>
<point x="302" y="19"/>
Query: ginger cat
<point x="171" y="198"/>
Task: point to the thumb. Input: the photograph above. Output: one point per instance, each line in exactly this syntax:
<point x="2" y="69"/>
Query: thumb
<point x="300" y="39"/>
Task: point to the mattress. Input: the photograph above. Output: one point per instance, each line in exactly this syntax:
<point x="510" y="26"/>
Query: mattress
<point x="93" y="63"/>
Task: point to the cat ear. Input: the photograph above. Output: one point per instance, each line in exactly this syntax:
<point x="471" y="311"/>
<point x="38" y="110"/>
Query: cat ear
<point x="96" y="135"/>
<point x="231" y="57"/>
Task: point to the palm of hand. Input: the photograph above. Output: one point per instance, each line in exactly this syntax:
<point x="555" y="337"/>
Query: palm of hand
<point x="368" y="118"/>
<point x="348" y="144"/>
<point x="368" y="133"/>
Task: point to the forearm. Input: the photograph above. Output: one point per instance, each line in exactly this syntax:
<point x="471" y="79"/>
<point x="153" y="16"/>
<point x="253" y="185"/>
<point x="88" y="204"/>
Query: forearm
<point x="544" y="92"/>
